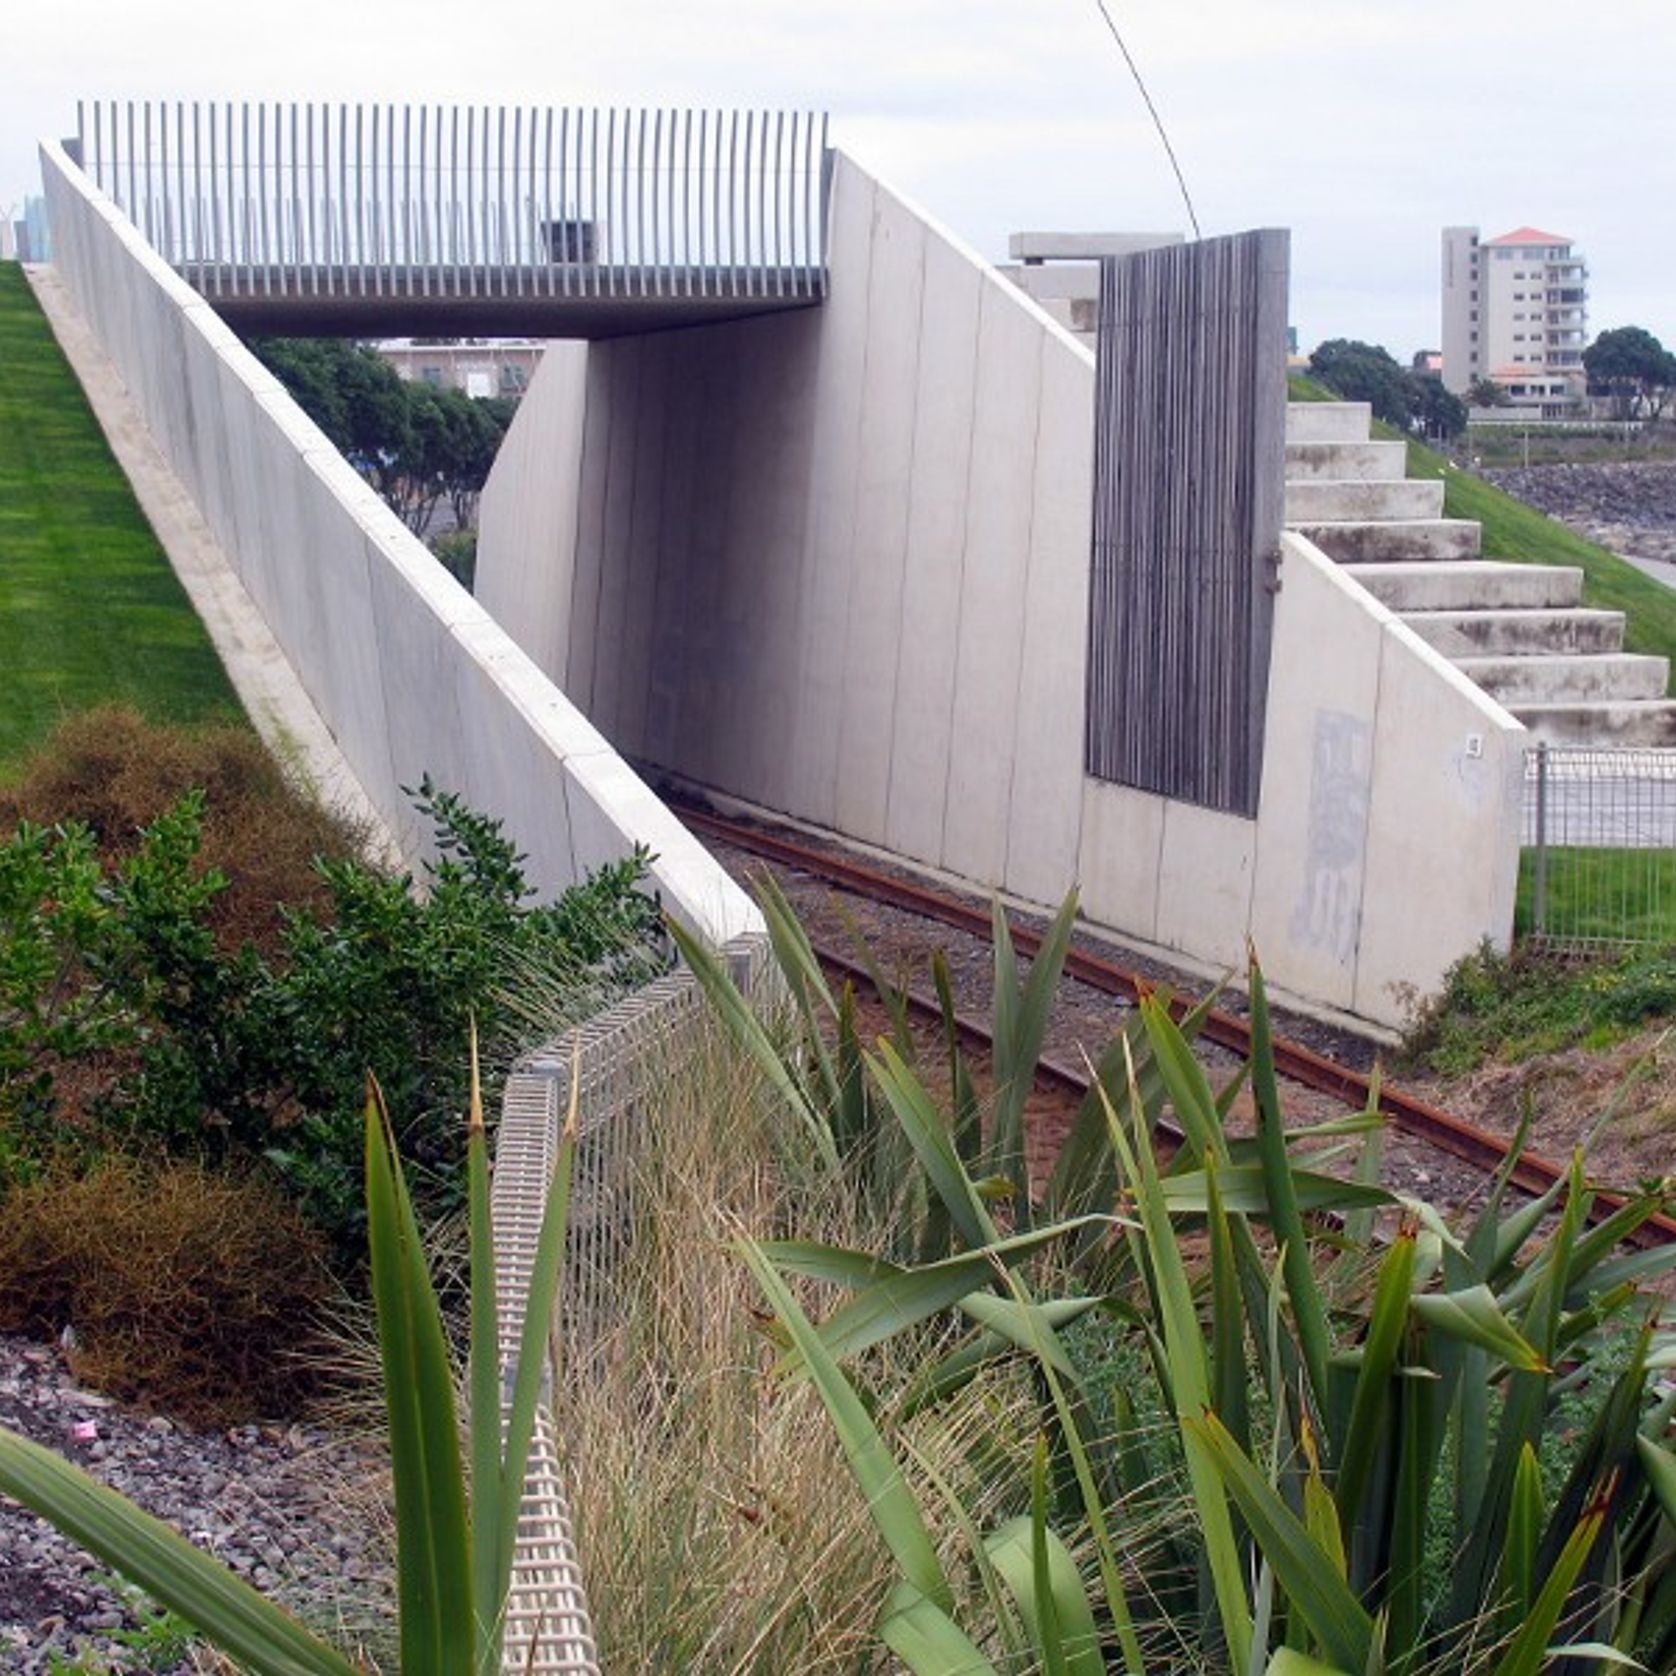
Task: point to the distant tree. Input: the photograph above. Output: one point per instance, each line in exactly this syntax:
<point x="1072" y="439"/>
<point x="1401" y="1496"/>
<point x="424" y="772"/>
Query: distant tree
<point x="480" y="426"/>
<point x="1438" y="413"/>
<point x="1364" y="372"/>
<point x="413" y="443"/>
<point x="1412" y="401"/>
<point x="1485" y="392"/>
<point x="1631" y="366"/>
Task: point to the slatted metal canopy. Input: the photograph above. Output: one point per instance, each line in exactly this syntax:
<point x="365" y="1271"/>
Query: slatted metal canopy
<point x="544" y="221"/>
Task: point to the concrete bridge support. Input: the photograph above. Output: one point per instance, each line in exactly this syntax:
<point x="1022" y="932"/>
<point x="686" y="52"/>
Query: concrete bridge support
<point x="835" y="563"/>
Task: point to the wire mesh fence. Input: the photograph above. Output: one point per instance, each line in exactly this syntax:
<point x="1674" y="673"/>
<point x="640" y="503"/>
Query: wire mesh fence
<point x="1599" y="864"/>
<point x="613" y="1059"/>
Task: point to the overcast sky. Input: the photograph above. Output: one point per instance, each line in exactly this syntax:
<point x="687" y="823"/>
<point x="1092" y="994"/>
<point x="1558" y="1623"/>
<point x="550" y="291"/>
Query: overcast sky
<point x="1364" y="128"/>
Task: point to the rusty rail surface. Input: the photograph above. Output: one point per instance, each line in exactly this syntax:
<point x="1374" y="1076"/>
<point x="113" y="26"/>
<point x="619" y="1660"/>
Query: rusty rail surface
<point x="1531" y="1171"/>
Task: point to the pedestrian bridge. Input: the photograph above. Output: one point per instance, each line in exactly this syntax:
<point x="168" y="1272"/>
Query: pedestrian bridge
<point x="392" y="220"/>
<point x="870" y="542"/>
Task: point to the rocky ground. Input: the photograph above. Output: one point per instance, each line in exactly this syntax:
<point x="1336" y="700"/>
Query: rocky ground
<point x="293" y="1510"/>
<point x="1627" y="506"/>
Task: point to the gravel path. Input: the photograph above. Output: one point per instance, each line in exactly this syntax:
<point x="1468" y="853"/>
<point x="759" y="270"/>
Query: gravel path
<point x="292" y="1510"/>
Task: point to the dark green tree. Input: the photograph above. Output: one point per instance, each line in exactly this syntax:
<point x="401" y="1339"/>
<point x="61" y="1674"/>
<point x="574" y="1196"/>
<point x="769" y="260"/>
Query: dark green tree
<point x="1632" y="367"/>
<point x="415" y="444"/>
<point x="1438" y="413"/>
<point x="1364" y="372"/>
<point x="1485" y="392"/>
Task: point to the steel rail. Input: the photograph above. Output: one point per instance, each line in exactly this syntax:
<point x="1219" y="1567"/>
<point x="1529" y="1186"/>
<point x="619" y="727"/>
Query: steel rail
<point x="1531" y="1171"/>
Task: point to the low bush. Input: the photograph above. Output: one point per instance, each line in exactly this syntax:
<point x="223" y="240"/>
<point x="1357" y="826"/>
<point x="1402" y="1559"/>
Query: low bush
<point x="187" y="1289"/>
<point x="113" y="772"/>
<point x="1286" y="1419"/>
<point x="1509" y="1007"/>
<point x="716" y="1528"/>
<point x="124" y="1020"/>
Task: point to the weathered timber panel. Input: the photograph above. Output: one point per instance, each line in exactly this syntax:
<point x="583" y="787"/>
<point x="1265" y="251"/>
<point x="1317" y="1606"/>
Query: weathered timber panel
<point x="1188" y="486"/>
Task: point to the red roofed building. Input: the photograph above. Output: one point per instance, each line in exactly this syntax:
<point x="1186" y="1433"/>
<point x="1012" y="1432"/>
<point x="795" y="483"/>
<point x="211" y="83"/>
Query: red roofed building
<point x="1515" y="309"/>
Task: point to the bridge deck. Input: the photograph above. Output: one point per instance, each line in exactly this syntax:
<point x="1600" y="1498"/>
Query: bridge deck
<point x="586" y="302"/>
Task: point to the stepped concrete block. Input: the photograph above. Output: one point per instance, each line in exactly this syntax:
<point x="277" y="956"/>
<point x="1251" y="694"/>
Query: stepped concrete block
<point x="1650" y="721"/>
<point x="1328" y="421"/>
<point x="1470" y="584"/>
<point x="1568" y="680"/>
<point x="1385" y="462"/>
<point x="1318" y="500"/>
<point x="1504" y="633"/>
<point x="1394" y="541"/>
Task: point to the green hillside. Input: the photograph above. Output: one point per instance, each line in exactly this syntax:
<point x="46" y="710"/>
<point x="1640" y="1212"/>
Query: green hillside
<point x="90" y="611"/>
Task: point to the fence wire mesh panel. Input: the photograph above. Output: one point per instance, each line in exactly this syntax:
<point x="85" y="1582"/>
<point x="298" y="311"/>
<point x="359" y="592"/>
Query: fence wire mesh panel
<point x="1599" y="868"/>
<point x="1190" y="413"/>
<point x="614" y="1062"/>
<point x="300" y="200"/>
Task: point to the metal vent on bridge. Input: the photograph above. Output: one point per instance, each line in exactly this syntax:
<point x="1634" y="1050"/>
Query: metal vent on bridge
<point x="269" y="205"/>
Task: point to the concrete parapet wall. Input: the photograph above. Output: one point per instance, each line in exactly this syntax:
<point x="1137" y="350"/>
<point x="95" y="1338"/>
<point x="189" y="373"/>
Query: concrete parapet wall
<point x="409" y="673"/>
<point x="836" y="564"/>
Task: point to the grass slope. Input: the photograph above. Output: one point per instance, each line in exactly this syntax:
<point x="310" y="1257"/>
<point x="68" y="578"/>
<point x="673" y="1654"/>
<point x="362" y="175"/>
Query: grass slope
<point x="90" y="611"/>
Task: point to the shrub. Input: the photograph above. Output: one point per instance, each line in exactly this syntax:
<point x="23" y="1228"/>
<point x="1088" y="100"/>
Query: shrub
<point x="115" y="773"/>
<point x="1511" y="1006"/>
<point x="124" y="1020"/>
<point x="1366" y="1443"/>
<point x="188" y="1289"/>
<point x="457" y="552"/>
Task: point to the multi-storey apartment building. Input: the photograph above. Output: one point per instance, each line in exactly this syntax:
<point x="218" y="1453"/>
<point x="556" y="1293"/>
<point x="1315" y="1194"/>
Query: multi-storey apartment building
<point x="1515" y="310"/>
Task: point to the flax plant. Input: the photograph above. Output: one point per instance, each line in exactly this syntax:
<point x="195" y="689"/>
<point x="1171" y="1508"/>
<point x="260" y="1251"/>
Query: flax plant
<point x="1361" y="1468"/>
<point x="456" y="1519"/>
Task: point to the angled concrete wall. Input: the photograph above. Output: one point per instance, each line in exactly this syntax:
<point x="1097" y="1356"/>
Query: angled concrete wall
<point x="409" y="673"/>
<point x="836" y="564"/>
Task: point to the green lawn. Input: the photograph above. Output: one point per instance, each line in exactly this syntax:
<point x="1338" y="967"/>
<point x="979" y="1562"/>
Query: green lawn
<point x="1601" y="895"/>
<point x="90" y="611"/>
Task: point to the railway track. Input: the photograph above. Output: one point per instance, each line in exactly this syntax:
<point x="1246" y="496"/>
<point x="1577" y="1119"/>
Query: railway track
<point x="1441" y="1130"/>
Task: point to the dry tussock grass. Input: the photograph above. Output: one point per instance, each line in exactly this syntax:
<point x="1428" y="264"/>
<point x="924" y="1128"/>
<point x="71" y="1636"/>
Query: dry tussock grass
<point x="115" y="771"/>
<point x="188" y="1290"/>
<point x="717" y="1523"/>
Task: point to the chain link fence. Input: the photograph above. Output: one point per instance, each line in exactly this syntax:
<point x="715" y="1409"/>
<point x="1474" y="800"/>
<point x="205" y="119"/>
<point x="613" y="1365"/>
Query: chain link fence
<point x="1599" y="865"/>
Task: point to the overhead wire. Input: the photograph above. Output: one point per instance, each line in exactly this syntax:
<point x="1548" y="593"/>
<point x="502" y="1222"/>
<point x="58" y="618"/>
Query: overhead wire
<point x="1152" y="110"/>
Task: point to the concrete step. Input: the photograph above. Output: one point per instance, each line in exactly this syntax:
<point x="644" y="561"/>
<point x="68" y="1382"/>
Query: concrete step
<point x="1518" y="634"/>
<point x="1328" y="421"/>
<point x="1320" y="499"/>
<point x="1394" y="541"/>
<point x="1567" y="680"/>
<point x="1467" y="584"/>
<point x="1648" y="721"/>
<point x="1380" y="461"/>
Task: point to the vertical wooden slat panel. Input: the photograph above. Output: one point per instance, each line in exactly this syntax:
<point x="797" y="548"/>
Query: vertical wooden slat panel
<point x="1189" y="467"/>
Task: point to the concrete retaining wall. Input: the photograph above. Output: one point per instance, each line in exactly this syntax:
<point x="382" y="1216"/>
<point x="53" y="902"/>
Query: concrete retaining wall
<point x="836" y="563"/>
<point x="409" y="673"/>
